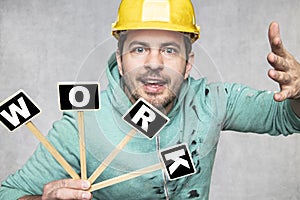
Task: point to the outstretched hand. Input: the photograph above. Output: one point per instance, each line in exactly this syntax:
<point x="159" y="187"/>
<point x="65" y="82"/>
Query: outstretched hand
<point x="286" y="69"/>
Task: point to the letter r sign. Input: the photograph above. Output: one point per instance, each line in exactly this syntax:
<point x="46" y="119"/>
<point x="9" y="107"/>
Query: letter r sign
<point x="145" y="118"/>
<point x="79" y="96"/>
<point x="17" y="110"/>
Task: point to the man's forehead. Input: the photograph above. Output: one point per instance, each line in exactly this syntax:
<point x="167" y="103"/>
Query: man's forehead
<point x="154" y="36"/>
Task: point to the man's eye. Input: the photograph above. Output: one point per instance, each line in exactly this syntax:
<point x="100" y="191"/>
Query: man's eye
<point x="139" y="50"/>
<point x="169" y="51"/>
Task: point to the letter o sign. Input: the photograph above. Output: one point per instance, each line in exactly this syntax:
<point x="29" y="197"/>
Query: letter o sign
<point x="86" y="96"/>
<point x="79" y="96"/>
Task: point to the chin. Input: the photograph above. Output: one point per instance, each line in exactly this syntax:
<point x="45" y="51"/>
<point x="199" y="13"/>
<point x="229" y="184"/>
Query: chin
<point x="159" y="101"/>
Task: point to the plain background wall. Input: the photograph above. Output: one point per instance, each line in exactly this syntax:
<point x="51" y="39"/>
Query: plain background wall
<point x="43" y="42"/>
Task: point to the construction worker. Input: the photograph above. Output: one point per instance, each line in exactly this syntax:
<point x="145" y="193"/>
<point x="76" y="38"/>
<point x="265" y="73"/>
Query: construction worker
<point x="153" y="61"/>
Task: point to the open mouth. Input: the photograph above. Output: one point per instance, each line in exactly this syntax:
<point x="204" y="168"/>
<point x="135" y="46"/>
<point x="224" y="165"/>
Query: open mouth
<point x="153" y="85"/>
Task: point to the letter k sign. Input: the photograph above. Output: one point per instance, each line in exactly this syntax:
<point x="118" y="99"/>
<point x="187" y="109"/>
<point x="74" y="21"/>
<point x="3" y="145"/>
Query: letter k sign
<point x="177" y="161"/>
<point x="175" y="156"/>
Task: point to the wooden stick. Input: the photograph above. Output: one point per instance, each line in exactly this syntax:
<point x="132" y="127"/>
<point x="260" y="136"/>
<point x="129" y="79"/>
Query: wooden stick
<point x="111" y="156"/>
<point x="52" y="150"/>
<point x="126" y="177"/>
<point x="82" y="145"/>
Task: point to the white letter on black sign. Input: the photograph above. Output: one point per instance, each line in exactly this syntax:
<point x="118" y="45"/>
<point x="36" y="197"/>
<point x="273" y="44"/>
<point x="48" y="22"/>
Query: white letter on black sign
<point x="175" y="156"/>
<point x="85" y="99"/>
<point x="145" y="119"/>
<point x="13" y="117"/>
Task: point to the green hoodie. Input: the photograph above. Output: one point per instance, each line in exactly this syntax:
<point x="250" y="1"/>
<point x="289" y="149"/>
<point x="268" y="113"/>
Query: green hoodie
<point x="201" y="111"/>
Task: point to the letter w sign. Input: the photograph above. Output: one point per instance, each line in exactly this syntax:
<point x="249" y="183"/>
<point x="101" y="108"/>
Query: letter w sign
<point x="17" y="110"/>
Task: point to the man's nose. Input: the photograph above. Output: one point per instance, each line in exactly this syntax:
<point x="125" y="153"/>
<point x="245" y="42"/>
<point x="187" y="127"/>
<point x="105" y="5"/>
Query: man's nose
<point x="154" y="60"/>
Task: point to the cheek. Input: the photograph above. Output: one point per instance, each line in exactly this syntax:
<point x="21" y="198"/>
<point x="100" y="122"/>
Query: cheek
<point x="130" y="64"/>
<point x="178" y="66"/>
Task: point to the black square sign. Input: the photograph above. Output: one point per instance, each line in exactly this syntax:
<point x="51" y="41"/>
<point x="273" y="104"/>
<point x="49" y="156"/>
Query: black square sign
<point x="178" y="161"/>
<point x="79" y="96"/>
<point x="17" y="110"/>
<point x="145" y="118"/>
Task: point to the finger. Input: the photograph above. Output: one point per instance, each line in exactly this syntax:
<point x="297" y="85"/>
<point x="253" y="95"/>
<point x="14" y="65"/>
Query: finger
<point x="281" y="77"/>
<point x="66" y="193"/>
<point x="281" y="96"/>
<point x="275" y="40"/>
<point x="278" y="62"/>
<point x="67" y="183"/>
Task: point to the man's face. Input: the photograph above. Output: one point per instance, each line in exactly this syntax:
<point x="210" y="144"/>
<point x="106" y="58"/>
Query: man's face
<point x="153" y="65"/>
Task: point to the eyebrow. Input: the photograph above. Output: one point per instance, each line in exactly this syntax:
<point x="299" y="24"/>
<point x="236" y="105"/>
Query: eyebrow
<point x="171" y="44"/>
<point x="138" y="43"/>
<point x="146" y="44"/>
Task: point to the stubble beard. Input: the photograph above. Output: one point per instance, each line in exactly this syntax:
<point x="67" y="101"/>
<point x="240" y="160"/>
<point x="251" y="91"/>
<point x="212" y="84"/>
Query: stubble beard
<point x="161" y="101"/>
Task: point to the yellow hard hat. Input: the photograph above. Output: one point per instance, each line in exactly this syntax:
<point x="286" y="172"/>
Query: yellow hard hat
<point x="172" y="15"/>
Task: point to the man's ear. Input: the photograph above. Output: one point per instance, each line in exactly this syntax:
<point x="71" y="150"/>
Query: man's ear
<point x="189" y="65"/>
<point x="119" y="62"/>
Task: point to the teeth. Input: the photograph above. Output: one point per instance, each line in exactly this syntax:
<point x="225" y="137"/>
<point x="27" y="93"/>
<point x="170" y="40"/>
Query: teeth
<point x="153" y="81"/>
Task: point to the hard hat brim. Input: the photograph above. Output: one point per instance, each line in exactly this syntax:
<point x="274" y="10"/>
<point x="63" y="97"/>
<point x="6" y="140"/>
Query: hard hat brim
<point x="156" y="25"/>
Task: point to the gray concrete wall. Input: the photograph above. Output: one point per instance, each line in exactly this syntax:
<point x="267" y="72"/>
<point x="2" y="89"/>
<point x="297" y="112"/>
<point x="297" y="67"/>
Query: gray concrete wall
<point x="44" y="42"/>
